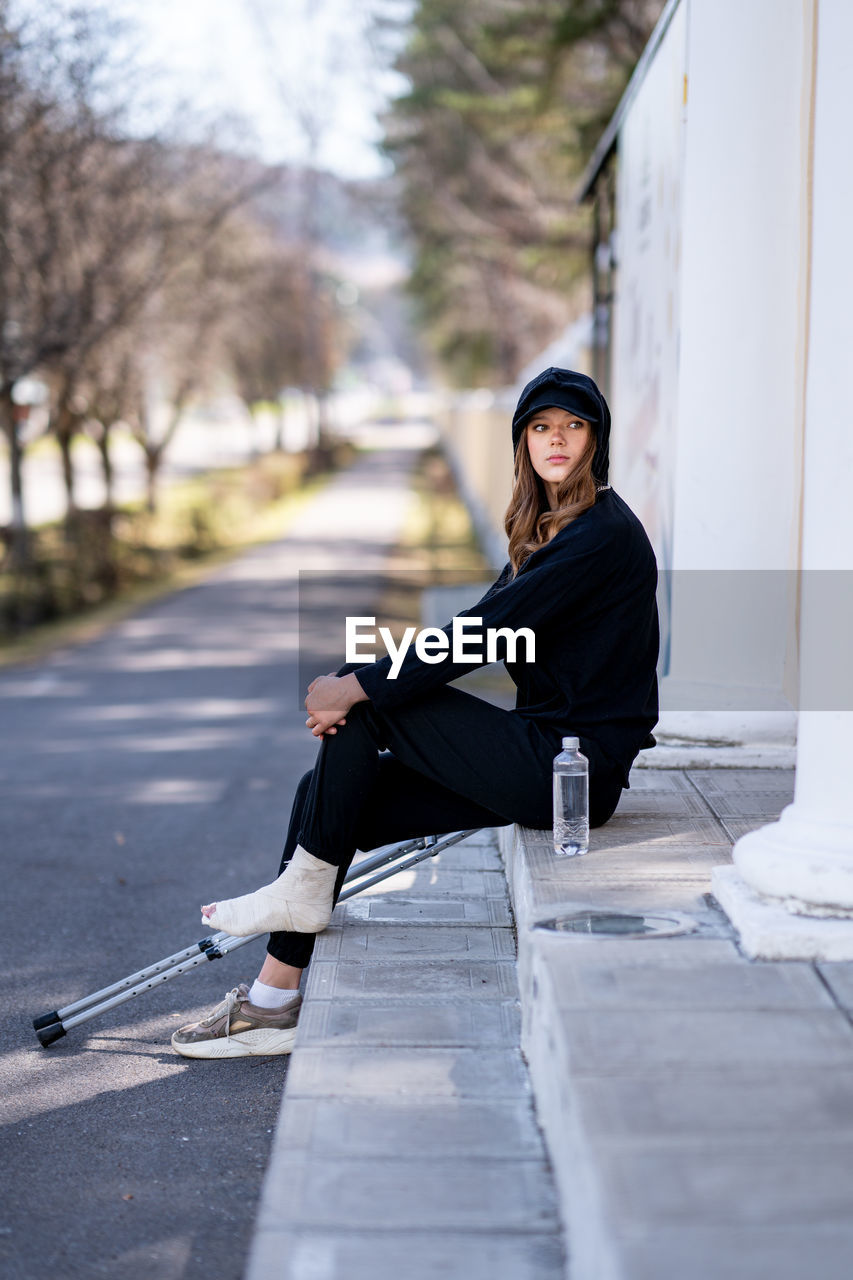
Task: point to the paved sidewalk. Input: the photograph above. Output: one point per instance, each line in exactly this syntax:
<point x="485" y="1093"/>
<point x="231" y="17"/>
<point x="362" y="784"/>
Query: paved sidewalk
<point x="407" y="1144"/>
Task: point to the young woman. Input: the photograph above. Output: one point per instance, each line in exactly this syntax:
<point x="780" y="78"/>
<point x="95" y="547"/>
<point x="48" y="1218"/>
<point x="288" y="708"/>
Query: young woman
<point x="409" y="756"/>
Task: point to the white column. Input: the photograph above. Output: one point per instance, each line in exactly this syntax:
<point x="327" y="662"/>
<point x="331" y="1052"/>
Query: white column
<point x="727" y="694"/>
<point x="790" y="892"/>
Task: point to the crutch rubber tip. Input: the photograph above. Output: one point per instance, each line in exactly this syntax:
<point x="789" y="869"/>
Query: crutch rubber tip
<point x="47" y="1035"/>
<point x="45" y="1020"/>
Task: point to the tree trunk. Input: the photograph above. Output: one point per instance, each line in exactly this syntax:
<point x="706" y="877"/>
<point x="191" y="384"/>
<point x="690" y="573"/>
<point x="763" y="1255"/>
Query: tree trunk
<point x="106" y="569"/>
<point x="322" y="419"/>
<point x="106" y="467"/>
<point x="19" y="542"/>
<point x="153" y="457"/>
<point x="323" y="452"/>
<point x="64" y="438"/>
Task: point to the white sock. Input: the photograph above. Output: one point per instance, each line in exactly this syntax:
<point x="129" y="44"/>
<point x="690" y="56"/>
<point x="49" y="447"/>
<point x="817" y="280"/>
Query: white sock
<point x="263" y="996"/>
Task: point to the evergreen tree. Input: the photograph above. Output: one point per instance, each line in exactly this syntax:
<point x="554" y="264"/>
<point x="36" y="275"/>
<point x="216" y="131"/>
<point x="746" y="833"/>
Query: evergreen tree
<point x="506" y="101"/>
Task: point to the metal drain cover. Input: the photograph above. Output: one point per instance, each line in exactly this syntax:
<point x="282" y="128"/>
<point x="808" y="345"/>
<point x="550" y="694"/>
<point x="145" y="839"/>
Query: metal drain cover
<point x="617" y="924"/>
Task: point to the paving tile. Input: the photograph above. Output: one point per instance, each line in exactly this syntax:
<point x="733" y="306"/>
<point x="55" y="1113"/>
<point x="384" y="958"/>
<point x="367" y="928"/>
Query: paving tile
<point x="660" y="802"/>
<point x="485" y="838"/>
<point x="737" y="827"/>
<point x="631" y="862"/>
<point x="470" y="856"/>
<point x="580" y="983"/>
<point x="720" y="781"/>
<point x="398" y="980"/>
<point x="742" y="793"/>
<point x="629" y="855"/>
<point x="441" y="1128"/>
<point x="538" y="846"/>
<point x="636" y="1041"/>
<point x="463" y="857"/>
<point x="746" y="804"/>
<point x="677" y="893"/>
<point x="313" y="1191"/>
<point x="414" y="1022"/>
<point x="839" y="977"/>
<point x="428" y="880"/>
<point x="439" y="909"/>
<point x="681" y="951"/>
<point x="374" y="1254"/>
<point x="656" y="831"/>
<point x="357" y="942"/>
<point x="402" y="1072"/>
<point x="738" y="1180"/>
<point x="776" y="1252"/>
<point x="709" y="1103"/>
<point x="632" y="877"/>
<point x="639" y="861"/>
<point x="660" y="780"/>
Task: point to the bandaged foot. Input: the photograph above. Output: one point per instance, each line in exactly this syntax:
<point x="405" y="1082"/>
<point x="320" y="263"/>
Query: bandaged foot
<point x="299" y="901"/>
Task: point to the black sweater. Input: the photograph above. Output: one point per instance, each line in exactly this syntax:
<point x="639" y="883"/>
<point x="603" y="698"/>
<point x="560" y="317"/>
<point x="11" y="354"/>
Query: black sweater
<point x="589" y="596"/>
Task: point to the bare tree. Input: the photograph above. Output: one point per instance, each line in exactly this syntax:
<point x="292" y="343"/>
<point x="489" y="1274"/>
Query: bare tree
<point x="93" y="224"/>
<point x="310" y="101"/>
<point x="265" y="343"/>
<point x="182" y="337"/>
<point x="111" y="391"/>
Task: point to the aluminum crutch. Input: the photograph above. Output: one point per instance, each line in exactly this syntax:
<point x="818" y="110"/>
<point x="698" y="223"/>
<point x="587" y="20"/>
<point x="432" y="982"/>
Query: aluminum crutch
<point x="377" y="866"/>
<point x="210" y="948"/>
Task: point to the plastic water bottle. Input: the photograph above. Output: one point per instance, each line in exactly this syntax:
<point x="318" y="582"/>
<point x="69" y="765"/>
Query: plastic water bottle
<point x="571" y="801"/>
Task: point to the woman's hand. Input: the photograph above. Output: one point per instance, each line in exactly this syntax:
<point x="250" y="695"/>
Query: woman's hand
<point x="329" y="699"/>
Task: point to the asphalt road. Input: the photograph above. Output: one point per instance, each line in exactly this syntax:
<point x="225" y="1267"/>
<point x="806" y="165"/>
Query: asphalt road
<point x="140" y="775"/>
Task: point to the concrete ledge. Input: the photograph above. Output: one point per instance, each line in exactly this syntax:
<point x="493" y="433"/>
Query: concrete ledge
<point x="689" y="1097"/>
<point x="540" y="884"/>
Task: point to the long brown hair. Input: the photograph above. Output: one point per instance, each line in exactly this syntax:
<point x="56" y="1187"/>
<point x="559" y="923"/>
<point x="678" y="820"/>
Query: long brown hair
<point x="529" y="522"/>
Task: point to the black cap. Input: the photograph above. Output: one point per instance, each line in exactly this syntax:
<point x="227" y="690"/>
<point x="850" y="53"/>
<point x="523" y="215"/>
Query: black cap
<point x="576" y="393"/>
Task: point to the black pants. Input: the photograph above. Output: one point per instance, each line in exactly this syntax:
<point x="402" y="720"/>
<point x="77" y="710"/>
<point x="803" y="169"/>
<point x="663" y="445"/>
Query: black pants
<point x="442" y="762"/>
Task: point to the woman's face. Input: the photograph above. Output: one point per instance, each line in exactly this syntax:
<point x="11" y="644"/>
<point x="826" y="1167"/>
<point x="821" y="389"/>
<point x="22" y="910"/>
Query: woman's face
<point x="556" y="441"/>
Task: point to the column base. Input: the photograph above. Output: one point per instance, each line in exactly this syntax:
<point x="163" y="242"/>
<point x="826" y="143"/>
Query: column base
<point x="769" y="931"/>
<point x="805" y="861"/>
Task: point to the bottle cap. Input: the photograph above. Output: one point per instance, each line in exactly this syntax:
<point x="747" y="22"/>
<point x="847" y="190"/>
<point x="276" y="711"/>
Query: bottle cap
<point x="571" y="744"/>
